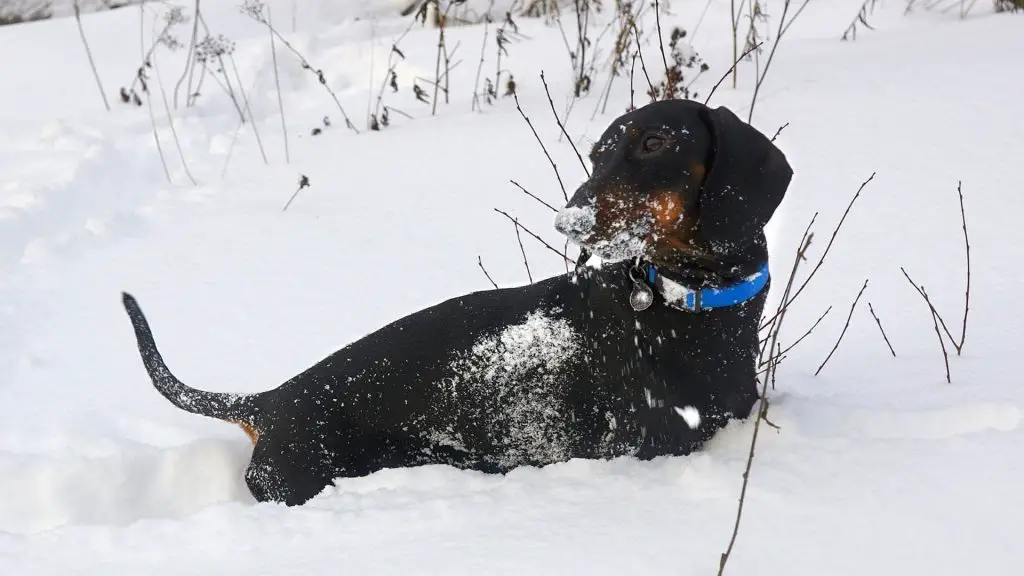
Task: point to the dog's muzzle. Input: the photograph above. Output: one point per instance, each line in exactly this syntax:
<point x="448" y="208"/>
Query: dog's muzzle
<point x="576" y="222"/>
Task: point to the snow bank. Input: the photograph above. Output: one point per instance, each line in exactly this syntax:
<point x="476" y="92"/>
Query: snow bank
<point x="878" y="465"/>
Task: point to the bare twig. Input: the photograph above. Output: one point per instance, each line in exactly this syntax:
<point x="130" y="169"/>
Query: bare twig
<point x="786" y="350"/>
<point x="88" y="53"/>
<point x="936" y="320"/>
<point x="632" y="90"/>
<point x="783" y="26"/>
<point x="795" y="16"/>
<point x="942" y="343"/>
<point x="862" y="17"/>
<point x="770" y="323"/>
<point x="920" y="291"/>
<point x="390" y="79"/>
<point x="643" y="65"/>
<point x="537" y="238"/>
<point x="880" y="329"/>
<point x="234" y="137"/>
<point x="441" y="49"/>
<point x="967" y="293"/>
<point x="303" y="183"/>
<point x="528" y="193"/>
<point x="542" y="146"/>
<point x="661" y="40"/>
<point x="526" y="262"/>
<point x="189" y="59"/>
<point x="562" y="126"/>
<point x="845" y="326"/>
<point x="245" y="100"/>
<point x="149" y="101"/>
<point x="835" y="232"/>
<point x="479" y="69"/>
<point x="307" y="66"/>
<point x="763" y="405"/>
<point x="779" y="131"/>
<point x="734" y="20"/>
<point x="277" y="84"/>
<point x="480" y="263"/>
<point x="727" y="72"/>
<point x="170" y="123"/>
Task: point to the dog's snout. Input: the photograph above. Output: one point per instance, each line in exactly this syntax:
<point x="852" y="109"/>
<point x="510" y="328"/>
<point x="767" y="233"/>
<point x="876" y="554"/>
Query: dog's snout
<point x="578" y="218"/>
<point x="583" y="197"/>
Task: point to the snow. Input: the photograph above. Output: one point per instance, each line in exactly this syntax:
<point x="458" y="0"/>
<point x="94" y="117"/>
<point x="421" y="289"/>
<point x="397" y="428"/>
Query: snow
<point x="878" y="466"/>
<point x="690" y="415"/>
<point x="503" y="372"/>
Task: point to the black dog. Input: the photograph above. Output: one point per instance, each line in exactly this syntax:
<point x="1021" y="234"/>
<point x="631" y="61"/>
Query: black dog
<point x="649" y="355"/>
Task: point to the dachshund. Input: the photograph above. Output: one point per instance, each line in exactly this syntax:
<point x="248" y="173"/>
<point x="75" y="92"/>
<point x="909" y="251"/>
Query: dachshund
<point x="646" y="354"/>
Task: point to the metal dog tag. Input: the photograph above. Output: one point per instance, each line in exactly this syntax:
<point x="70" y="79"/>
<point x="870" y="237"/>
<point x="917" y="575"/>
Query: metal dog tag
<point x="641" y="297"/>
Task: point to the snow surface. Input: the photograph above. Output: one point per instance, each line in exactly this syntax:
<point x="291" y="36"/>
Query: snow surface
<point x="878" y="466"/>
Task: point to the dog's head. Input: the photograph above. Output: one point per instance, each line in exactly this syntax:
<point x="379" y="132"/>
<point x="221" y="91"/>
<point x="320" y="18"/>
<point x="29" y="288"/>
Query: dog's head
<point x="676" y="176"/>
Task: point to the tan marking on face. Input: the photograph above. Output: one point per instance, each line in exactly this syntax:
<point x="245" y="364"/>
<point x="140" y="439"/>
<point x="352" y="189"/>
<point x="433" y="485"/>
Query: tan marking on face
<point x="673" y="226"/>
<point x="667" y="208"/>
<point x="698" y="171"/>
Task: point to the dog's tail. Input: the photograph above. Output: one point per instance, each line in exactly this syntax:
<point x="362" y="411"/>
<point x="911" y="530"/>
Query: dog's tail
<point x="237" y="408"/>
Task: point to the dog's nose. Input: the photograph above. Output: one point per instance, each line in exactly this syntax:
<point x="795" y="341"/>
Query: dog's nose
<point x="577" y="219"/>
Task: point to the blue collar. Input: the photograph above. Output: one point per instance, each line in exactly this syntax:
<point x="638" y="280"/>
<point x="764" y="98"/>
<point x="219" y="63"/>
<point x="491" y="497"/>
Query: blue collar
<point x="696" y="299"/>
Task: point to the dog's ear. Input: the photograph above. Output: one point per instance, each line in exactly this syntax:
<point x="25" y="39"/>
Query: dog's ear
<point x="746" y="182"/>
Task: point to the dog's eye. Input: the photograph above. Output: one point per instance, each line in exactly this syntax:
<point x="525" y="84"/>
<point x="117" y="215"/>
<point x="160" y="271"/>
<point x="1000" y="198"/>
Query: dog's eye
<point x="652" y="144"/>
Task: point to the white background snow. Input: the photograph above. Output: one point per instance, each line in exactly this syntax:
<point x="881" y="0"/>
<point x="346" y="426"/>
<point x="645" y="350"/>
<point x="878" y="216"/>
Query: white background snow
<point x="878" y="466"/>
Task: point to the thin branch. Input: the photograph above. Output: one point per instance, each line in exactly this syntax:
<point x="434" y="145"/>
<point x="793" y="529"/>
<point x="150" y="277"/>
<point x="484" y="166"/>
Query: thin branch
<point x="277" y="83"/>
<point x="189" y="59"/>
<point x="632" y="90"/>
<point x="806" y="334"/>
<point x="643" y="65"/>
<point x="480" y="263"/>
<point x="795" y="16"/>
<point x="542" y="146"/>
<point x="920" y="291"/>
<point x="936" y="320"/>
<point x="170" y="123"/>
<point x="835" y="232"/>
<point x="528" y="193"/>
<point x="562" y="126"/>
<point x="763" y="405"/>
<point x="245" y="100"/>
<point x="845" y="326"/>
<point x="779" y="131"/>
<point x="661" y="41"/>
<point x="770" y="323"/>
<point x="441" y="23"/>
<point x="538" y="238"/>
<point x="880" y="329"/>
<point x="783" y="26"/>
<point x="307" y="66"/>
<point x="149" y="101"/>
<point x="391" y="77"/>
<point x="238" y="131"/>
<point x="526" y="262"/>
<point x="479" y="69"/>
<point x="303" y="183"/>
<point x="942" y="343"/>
<point x="967" y="294"/>
<point x="88" y="53"/>
<point x="851" y="31"/>
<point x="729" y="71"/>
